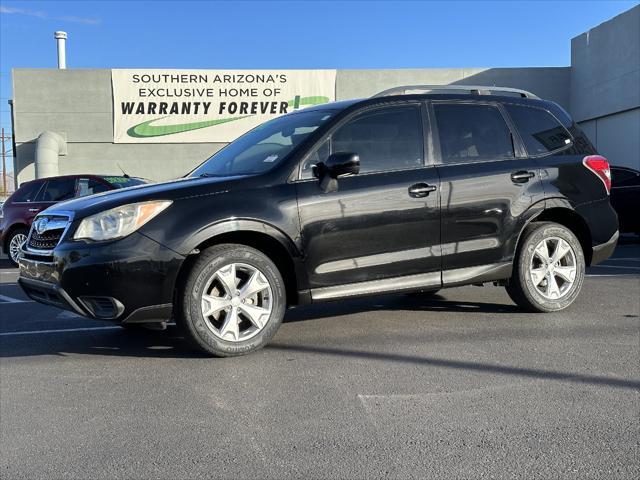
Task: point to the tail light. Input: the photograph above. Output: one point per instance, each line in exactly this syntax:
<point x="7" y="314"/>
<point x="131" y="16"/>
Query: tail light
<point x="600" y="166"/>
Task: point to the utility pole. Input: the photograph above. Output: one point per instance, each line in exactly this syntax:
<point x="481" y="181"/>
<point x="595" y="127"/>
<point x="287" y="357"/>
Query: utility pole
<point x="4" y="165"/>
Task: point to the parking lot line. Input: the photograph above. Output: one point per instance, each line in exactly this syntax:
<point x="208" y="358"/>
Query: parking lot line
<point x="66" y="330"/>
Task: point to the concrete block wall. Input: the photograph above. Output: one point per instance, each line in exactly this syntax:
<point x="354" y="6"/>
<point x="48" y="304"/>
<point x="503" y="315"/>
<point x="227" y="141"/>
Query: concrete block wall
<point x="605" y="87"/>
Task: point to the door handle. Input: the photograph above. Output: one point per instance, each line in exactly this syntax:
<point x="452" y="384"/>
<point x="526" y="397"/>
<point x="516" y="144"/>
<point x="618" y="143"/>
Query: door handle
<point x="34" y="209"/>
<point x="420" y="190"/>
<point x="522" y="176"/>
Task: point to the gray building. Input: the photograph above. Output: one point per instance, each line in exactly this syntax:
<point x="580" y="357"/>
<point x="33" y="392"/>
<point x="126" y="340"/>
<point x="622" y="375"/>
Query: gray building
<point x="601" y="89"/>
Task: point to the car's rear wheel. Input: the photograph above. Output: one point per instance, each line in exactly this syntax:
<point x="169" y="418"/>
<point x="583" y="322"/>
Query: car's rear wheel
<point x="233" y="301"/>
<point x="548" y="270"/>
<point x="14" y="242"/>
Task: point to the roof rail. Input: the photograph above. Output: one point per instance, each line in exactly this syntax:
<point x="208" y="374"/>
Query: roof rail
<point x="470" y="89"/>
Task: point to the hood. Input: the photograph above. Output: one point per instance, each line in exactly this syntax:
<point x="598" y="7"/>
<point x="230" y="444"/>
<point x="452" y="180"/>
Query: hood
<point x="170" y="190"/>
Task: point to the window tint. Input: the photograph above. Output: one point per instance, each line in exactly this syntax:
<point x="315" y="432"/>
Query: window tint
<point x="385" y="139"/>
<point x="89" y="186"/>
<point x="540" y="131"/>
<point x="27" y="193"/>
<point x="59" y="189"/>
<point x="472" y="132"/>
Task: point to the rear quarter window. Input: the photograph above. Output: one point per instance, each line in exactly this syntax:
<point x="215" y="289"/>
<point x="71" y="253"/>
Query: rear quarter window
<point x="541" y="132"/>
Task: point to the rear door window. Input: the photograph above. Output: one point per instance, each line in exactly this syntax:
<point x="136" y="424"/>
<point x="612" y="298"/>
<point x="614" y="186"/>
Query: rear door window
<point x="27" y="193"/>
<point x="541" y="132"/>
<point x="59" y="189"/>
<point x="469" y="132"/>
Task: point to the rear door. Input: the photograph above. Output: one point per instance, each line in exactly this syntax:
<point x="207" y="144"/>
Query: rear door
<point x="383" y="222"/>
<point x="24" y="204"/>
<point x="487" y="186"/>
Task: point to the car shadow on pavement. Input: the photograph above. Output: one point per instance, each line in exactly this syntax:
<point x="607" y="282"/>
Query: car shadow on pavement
<point x="416" y="303"/>
<point x="461" y="365"/>
<point x="169" y="344"/>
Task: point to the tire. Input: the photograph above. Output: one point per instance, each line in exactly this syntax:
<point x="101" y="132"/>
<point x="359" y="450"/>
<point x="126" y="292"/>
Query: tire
<point x="208" y="287"/>
<point x="11" y="241"/>
<point x="558" y="287"/>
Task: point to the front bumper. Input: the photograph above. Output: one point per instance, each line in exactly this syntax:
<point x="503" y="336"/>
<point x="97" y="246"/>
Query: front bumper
<point x="126" y="281"/>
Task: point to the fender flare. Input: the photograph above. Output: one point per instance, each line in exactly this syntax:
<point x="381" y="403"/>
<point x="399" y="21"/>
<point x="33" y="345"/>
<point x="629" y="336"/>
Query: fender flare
<point x="559" y="203"/>
<point x="236" y="225"/>
<point x="535" y="210"/>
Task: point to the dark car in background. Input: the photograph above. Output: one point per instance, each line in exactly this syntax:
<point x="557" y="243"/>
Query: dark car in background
<point x="19" y="210"/>
<point x="625" y="198"/>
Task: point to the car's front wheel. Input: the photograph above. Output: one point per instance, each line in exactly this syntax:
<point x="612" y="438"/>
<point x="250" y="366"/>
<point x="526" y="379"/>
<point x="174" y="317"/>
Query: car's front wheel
<point x="233" y="301"/>
<point x="548" y="269"/>
<point x="14" y="243"/>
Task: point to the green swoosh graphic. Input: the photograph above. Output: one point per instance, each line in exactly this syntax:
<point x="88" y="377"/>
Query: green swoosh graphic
<point x="308" y="101"/>
<point x="145" y="129"/>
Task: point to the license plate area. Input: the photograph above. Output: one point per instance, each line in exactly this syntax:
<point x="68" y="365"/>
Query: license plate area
<point x="38" y="270"/>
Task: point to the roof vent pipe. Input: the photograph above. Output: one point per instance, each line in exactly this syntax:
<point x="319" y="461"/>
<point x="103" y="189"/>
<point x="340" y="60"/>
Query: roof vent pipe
<point x="61" y="39"/>
<point x="49" y="147"/>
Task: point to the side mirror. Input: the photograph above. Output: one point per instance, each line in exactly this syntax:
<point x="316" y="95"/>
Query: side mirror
<point x="339" y="164"/>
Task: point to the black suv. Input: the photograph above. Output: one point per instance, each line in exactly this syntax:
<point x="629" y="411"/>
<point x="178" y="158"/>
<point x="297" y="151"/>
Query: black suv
<point x="395" y="193"/>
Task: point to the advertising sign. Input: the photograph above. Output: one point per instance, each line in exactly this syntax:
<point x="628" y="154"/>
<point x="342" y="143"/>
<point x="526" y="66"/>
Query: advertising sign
<point x="191" y="106"/>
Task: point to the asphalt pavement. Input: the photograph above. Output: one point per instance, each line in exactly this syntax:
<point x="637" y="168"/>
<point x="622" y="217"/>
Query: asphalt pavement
<point x="458" y="385"/>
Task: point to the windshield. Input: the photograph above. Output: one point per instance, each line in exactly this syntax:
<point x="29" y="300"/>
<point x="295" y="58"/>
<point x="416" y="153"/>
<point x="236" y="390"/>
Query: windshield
<point x="264" y="147"/>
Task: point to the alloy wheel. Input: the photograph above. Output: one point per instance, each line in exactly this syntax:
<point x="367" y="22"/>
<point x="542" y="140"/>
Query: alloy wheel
<point x="237" y="302"/>
<point x="553" y="268"/>
<point x="15" y="244"/>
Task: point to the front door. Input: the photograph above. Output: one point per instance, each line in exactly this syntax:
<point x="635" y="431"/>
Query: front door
<point x="383" y="222"/>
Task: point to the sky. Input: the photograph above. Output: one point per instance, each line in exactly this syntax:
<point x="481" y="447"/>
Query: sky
<point x="302" y="34"/>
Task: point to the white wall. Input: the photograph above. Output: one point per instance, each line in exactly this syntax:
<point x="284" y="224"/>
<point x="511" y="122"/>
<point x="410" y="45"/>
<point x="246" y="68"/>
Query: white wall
<point x="605" y="87"/>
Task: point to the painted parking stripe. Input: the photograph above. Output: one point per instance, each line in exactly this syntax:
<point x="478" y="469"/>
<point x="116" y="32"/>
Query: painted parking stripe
<point x="66" y="330"/>
<point x="5" y="299"/>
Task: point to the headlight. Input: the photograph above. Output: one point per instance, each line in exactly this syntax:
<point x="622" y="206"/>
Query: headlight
<point x="120" y="221"/>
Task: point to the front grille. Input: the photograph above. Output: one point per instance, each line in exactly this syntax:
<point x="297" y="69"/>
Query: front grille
<point x="51" y="227"/>
<point x="47" y="240"/>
